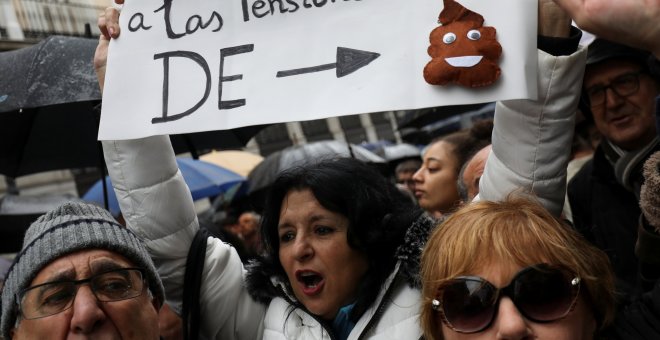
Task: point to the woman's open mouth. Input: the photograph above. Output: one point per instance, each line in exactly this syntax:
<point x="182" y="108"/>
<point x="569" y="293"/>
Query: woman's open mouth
<point x="311" y="282"/>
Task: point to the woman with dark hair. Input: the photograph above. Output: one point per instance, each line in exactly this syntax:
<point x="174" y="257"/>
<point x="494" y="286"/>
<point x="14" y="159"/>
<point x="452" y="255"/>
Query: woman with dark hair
<point x="435" y="181"/>
<point x="342" y="250"/>
<point x="337" y="251"/>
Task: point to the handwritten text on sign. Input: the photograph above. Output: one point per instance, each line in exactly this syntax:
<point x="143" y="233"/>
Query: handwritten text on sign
<point x="198" y="65"/>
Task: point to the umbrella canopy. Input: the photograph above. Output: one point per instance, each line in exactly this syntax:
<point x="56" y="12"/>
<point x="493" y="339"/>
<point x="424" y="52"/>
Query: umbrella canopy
<point x="18" y="212"/>
<point x="423" y="117"/>
<point x="393" y="152"/>
<point x="265" y="173"/>
<point x="204" y="180"/>
<point x="56" y="70"/>
<point x="64" y="136"/>
<point x="241" y="162"/>
<point x="49" y="138"/>
<point x="200" y="142"/>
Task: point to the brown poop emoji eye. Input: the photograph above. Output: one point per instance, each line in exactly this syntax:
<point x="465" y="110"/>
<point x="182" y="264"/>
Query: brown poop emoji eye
<point x="463" y="50"/>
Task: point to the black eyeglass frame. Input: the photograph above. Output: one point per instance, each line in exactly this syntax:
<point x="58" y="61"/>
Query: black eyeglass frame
<point x="612" y="86"/>
<point x="508" y="291"/>
<point x="77" y="283"/>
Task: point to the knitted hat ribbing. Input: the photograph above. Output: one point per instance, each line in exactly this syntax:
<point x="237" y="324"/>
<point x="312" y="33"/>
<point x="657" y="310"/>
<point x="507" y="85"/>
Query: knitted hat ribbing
<point x="69" y="228"/>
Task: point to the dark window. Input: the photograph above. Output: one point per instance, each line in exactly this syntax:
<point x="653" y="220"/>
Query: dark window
<point x="382" y="125"/>
<point x="353" y="129"/>
<point x="273" y="138"/>
<point x="316" y="130"/>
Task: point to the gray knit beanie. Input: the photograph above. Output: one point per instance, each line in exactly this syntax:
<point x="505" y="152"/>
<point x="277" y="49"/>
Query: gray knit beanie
<point x="69" y="228"/>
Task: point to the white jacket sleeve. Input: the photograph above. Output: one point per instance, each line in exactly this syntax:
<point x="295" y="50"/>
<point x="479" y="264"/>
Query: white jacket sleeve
<point x="157" y="206"/>
<point x="532" y="138"/>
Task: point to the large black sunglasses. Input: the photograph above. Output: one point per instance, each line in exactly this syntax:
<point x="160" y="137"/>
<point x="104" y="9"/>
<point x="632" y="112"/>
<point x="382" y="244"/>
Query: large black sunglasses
<point x="542" y="293"/>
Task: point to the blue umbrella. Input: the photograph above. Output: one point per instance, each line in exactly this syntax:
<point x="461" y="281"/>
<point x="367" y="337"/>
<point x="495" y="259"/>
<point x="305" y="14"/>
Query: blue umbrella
<point x="204" y="180"/>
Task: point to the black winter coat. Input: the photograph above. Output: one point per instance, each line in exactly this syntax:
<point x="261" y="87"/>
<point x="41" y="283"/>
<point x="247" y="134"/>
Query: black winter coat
<point x="607" y="214"/>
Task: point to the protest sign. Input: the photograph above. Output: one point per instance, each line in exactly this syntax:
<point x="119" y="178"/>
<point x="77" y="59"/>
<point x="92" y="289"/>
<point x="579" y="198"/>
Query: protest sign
<point x="199" y="65"/>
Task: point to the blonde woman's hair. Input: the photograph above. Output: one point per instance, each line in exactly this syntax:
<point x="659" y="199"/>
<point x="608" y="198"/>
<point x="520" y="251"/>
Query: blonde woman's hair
<point x="517" y="230"/>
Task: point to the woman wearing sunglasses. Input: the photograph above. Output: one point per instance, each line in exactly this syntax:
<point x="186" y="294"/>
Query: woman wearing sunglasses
<point x="510" y="270"/>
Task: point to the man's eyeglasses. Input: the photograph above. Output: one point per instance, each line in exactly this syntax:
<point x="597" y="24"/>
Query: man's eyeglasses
<point x="55" y="297"/>
<point x="542" y="293"/>
<point x="623" y="86"/>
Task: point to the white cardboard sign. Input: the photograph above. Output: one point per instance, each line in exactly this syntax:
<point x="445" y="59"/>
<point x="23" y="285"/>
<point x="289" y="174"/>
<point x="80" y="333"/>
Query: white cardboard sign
<point x="199" y="65"/>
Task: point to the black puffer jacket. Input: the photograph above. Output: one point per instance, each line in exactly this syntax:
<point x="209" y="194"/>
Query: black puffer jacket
<point x="607" y="214"/>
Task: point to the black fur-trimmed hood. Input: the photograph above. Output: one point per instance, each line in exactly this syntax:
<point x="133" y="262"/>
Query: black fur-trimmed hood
<point x="264" y="282"/>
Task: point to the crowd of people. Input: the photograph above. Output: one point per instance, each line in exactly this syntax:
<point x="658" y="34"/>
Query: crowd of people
<point x="473" y="240"/>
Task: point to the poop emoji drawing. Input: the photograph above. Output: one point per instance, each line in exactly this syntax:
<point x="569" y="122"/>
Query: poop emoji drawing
<point x="463" y="50"/>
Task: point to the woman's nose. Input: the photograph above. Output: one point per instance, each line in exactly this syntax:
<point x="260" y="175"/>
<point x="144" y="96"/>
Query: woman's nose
<point x="509" y="323"/>
<point x="303" y="248"/>
<point x="418" y="176"/>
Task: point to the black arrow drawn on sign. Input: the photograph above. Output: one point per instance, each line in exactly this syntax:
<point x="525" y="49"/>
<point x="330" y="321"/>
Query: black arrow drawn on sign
<point x="348" y="61"/>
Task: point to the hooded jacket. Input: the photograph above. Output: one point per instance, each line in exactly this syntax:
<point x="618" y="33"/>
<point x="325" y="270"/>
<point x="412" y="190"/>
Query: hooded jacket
<point x="394" y="314"/>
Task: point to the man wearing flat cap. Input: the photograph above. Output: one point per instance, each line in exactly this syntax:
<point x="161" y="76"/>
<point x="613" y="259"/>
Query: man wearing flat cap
<point x="81" y="274"/>
<point x="621" y="85"/>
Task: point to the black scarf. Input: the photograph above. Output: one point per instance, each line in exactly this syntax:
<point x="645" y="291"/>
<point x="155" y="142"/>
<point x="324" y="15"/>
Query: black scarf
<point x="628" y="164"/>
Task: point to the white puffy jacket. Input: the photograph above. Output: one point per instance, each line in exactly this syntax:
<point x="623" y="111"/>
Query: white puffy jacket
<point x="531" y="143"/>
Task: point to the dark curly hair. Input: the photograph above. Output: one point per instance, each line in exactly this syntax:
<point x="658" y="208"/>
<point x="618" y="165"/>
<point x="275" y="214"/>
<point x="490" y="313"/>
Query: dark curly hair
<point x="377" y="211"/>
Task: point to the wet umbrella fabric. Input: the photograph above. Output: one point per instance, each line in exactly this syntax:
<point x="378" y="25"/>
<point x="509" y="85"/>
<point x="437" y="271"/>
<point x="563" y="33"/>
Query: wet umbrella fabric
<point x="56" y="70"/>
<point x="204" y="180"/>
<point x="393" y="152"/>
<point x="17" y="212"/>
<point x="265" y="172"/>
<point x="49" y="138"/>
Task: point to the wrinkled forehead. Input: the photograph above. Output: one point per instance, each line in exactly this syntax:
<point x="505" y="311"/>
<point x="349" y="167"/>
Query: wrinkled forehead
<point x="81" y="264"/>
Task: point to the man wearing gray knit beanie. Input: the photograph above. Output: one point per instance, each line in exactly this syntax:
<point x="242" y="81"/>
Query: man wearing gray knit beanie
<point x="80" y="273"/>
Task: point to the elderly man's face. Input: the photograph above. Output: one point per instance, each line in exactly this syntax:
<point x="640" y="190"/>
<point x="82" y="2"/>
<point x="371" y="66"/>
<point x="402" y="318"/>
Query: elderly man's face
<point x="133" y="318"/>
<point x="626" y="119"/>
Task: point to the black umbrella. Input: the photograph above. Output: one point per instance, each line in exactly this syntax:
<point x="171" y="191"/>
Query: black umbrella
<point x="49" y="117"/>
<point x="201" y="142"/>
<point x="397" y="152"/>
<point x="265" y="172"/>
<point x="64" y="137"/>
<point x="48" y="138"/>
<point x="47" y="95"/>
<point x="18" y="212"/>
<point x="56" y="70"/>
<point x="423" y="117"/>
